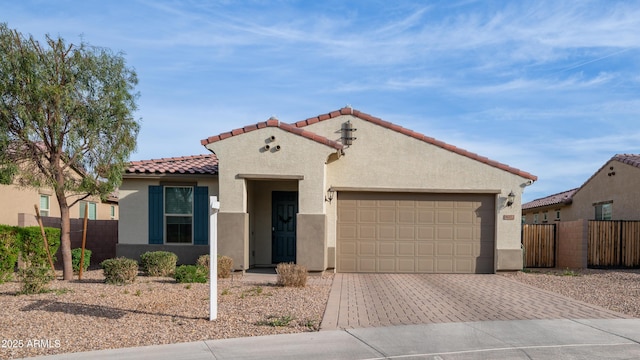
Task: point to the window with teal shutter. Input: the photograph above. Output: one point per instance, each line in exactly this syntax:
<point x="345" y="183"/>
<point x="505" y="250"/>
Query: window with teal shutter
<point x="201" y="216"/>
<point x="156" y="214"/>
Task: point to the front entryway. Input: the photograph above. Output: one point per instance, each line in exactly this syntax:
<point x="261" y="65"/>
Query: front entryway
<point x="283" y="226"/>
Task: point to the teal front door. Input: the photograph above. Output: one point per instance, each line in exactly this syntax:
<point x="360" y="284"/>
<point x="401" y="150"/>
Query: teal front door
<point x="283" y="226"/>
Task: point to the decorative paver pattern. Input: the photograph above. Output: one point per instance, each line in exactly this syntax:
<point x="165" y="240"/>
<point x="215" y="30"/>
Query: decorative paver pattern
<point x="373" y="300"/>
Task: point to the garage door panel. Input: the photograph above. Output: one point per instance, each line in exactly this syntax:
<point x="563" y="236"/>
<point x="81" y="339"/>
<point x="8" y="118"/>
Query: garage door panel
<point x="426" y="249"/>
<point x="367" y="265"/>
<point x="387" y="265"/>
<point x="387" y="216"/>
<point x="406" y="232"/>
<point x="444" y="265"/>
<point x="406" y="248"/>
<point x="425" y="233"/>
<point x="366" y="248"/>
<point x="367" y="232"/>
<point x="386" y="232"/>
<point x="386" y="249"/>
<point x="407" y="216"/>
<point x="406" y="265"/>
<point x="445" y="217"/>
<point x="367" y="216"/>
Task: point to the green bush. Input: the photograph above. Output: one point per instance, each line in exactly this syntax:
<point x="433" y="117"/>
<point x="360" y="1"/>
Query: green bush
<point x="158" y="263"/>
<point x="191" y="274"/>
<point x="75" y="259"/>
<point x="225" y="265"/>
<point x="32" y="247"/>
<point x="9" y="251"/>
<point x="35" y="278"/>
<point x="290" y="274"/>
<point x="120" y="270"/>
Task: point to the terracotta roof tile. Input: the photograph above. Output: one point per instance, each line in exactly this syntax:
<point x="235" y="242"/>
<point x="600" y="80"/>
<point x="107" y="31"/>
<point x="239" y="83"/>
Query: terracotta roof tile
<point x="275" y="123"/>
<point x="416" y="135"/>
<point x="350" y="111"/>
<point x="564" y="197"/>
<point x="196" y="164"/>
<point x="629" y="159"/>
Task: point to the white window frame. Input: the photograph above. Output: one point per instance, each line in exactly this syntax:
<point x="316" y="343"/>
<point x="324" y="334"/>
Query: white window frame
<point x="606" y="211"/>
<point x="112" y="212"/>
<point x="165" y="214"/>
<point x="91" y="203"/>
<point x="535" y="218"/>
<point x="45" y="211"/>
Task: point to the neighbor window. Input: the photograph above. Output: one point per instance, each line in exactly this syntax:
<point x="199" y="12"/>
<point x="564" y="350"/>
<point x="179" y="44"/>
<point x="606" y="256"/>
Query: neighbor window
<point x="524" y="219"/>
<point x="544" y="217"/>
<point x="178" y="213"/>
<point x="535" y="218"/>
<point x="557" y="215"/>
<point x="603" y="211"/>
<point x="44" y="205"/>
<point x="92" y="210"/>
<point x="112" y="212"/>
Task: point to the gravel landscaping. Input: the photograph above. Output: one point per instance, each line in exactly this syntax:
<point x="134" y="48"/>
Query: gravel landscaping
<point x="616" y="290"/>
<point x="90" y="315"/>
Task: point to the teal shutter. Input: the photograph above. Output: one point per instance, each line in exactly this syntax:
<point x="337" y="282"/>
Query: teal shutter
<point x="155" y="215"/>
<point x="201" y="215"/>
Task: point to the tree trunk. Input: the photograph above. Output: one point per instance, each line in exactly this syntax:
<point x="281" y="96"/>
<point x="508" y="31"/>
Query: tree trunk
<point x="65" y="239"/>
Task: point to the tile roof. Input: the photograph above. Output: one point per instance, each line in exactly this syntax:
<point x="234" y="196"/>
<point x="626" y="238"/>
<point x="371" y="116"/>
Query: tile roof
<point x="559" y="198"/>
<point x="629" y="159"/>
<point x="416" y="135"/>
<point x="197" y="164"/>
<point x="273" y="122"/>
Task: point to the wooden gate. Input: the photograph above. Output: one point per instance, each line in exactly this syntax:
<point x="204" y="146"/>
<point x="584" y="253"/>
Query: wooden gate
<point x="614" y="243"/>
<point x="539" y="243"/>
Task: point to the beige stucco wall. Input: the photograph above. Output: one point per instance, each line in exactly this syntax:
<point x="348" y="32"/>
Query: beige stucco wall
<point x="133" y="227"/>
<point x="19" y="200"/>
<point x="384" y="159"/>
<point x="379" y="159"/>
<point x="245" y="154"/>
<point x="621" y="188"/>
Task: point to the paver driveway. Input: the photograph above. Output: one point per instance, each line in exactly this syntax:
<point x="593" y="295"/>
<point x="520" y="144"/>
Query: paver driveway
<point x="372" y="300"/>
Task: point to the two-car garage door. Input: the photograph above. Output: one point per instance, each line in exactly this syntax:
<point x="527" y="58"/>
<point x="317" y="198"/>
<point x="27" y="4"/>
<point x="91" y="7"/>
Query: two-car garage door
<point x="415" y="233"/>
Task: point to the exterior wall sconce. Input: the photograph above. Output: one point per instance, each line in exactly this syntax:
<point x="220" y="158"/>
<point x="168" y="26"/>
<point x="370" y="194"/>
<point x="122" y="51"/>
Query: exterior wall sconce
<point x="329" y="197"/>
<point x="511" y="198"/>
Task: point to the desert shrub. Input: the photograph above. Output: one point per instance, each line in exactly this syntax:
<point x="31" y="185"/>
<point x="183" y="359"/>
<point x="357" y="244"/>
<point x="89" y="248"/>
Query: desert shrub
<point x="158" y="263"/>
<point x="225" y="265"/>
<point x="191" y="274"/>
<point x="75" y="259"/>
<point x="35" y="278"/>
<point x="290" y="274"/>
<point x="203" y="261"/>
<point x="8" y="252"/>
<point x="120" y="270"/>
<point x="32" y="247"/>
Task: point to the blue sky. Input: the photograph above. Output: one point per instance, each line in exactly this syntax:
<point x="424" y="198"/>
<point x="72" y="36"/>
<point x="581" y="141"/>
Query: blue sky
<point x="549" y="87"/>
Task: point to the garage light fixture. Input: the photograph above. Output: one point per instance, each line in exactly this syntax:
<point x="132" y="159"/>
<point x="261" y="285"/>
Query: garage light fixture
<point x="511" y="198"/>
<point x="329" y="196"/>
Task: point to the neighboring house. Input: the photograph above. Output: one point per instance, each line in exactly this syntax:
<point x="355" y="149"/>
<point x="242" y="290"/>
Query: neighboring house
<point x="548" y="209"/>
<point x="343" y="190"/>
<point x="18" y="206"/>
<point x="611" y="193"/>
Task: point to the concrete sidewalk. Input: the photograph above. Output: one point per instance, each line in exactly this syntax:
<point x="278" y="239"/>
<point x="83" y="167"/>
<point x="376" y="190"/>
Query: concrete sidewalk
<point x="514" y="339"/>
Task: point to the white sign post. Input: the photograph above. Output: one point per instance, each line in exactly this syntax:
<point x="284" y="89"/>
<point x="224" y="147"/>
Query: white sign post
<point x="213" y="258"/>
